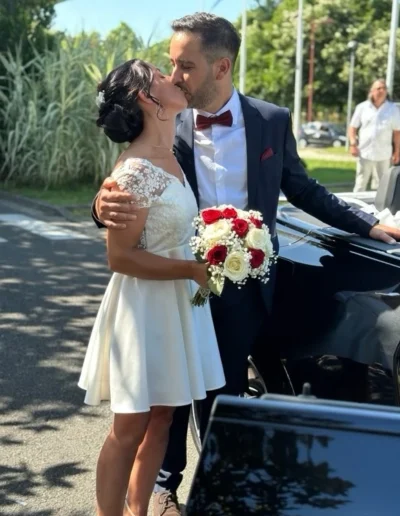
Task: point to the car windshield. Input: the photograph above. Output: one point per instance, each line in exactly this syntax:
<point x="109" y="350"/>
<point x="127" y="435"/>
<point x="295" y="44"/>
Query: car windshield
<point x="338" y="128"/>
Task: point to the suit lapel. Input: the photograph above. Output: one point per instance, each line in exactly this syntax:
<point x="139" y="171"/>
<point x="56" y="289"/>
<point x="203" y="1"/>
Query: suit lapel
<point x="183" y="148"/>
<point x="253" y="127"/>
<point x="185" y="154"/>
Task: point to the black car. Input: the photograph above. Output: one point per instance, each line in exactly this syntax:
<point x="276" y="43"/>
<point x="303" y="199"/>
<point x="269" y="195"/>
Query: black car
<point x="322" y="134"/>
<point x="301" y="456"/>
<point x="341" y="295"/>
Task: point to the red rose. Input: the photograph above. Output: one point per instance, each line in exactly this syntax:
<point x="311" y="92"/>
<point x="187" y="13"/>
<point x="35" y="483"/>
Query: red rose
<point x="240" y="227"/>
<point x="210" y="216"/>
<point x="257" y="258"/>
<point x="229" y="213"/>
<point x="217" y="254"/>
<point x="256" y="222"/>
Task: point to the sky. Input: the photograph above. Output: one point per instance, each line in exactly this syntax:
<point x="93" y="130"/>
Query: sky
<point x="143" y="16"/>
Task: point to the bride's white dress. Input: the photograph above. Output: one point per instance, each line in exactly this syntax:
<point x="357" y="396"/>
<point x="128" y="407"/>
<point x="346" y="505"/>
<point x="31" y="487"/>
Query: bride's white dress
<point x="149" y="346"/>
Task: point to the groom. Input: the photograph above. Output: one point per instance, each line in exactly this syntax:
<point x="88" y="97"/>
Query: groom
<point x="241" y="151"/>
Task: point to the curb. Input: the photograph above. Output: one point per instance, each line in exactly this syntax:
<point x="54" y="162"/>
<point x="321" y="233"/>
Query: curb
<point x="51" y="209"/>
<point x="335" y="185"/>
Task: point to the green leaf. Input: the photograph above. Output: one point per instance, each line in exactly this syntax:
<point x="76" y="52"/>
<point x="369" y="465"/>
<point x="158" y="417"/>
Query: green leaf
<point x="199" y="257"/>
<point x="216" y="285"/>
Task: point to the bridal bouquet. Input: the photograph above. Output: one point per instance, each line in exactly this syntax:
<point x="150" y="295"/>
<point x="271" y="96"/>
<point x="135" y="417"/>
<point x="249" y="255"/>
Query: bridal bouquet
<point x="235" y="244"/>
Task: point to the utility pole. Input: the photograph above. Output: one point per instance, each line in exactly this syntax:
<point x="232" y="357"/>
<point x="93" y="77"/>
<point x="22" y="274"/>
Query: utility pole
<point x="311" y="73"/>
<point x="392" y="47"/>
<point x="243" y="52"/>
<point x="298" y="82"/>
<point x="352" y="46"/>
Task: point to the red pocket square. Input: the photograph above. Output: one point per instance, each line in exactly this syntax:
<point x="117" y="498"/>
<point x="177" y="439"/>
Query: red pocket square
<point x="267" y="153"/>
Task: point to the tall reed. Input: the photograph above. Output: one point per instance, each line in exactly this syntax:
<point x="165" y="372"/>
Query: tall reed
<point x="48" y="135"/>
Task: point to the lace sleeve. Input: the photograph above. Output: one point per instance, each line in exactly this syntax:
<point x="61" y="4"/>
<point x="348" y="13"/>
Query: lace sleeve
<point x="141" y="178"/>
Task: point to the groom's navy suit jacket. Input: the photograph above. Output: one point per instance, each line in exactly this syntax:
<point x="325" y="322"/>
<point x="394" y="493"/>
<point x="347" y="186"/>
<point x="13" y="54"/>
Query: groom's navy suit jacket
<point x="273" y="165"/>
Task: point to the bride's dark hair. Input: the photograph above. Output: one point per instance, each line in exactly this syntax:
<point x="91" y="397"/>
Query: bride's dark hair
<point x="120" y="114"/>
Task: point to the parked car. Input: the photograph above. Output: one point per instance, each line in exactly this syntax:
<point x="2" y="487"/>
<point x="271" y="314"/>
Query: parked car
<point x="302" y="456"/>
<point x="321" y="271"/>
<point x="322" y="134"/>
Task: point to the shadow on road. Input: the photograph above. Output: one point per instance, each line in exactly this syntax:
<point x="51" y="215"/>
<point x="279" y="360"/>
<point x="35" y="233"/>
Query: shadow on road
<point x="49" y="295"/>
<point x="22" y="481"/>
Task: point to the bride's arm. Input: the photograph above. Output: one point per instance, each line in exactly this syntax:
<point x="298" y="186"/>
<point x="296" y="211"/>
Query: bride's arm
<point x="126" y="258"/>
<point x="147" y="182"/>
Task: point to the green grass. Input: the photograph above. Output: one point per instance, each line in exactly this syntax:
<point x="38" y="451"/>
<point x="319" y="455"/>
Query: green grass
<point x="83" y="195"/>
<point x="327" y="172"/>
<point x="339" y="151"/>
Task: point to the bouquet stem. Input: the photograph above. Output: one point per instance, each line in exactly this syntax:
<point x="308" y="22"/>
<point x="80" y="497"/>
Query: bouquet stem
<point x="201" y="297"/>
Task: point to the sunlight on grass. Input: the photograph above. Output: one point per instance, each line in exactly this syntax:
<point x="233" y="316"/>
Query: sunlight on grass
<point x="339" y="151"/>
<point x="327" y="172"/>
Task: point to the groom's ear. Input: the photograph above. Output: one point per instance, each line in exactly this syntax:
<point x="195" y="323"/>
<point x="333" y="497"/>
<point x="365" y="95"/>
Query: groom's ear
<point x="224" y="67"/>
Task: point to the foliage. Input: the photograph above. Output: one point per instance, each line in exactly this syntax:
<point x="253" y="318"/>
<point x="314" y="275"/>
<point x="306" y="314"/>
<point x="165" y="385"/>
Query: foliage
<point x="48" y="112"/>
<point x="25" y="24"/>
<point x="271" y="48"/>
<point x="48" y="81"/>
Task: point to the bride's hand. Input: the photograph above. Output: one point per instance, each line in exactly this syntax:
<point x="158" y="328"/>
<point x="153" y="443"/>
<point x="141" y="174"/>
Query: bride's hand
<point x="200" y="274"/>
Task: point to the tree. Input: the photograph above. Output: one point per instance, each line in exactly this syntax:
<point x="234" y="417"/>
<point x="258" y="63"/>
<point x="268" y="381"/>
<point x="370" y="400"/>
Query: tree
<point x="372" y="63"/>
<point x="263" y="11"/>
<point x="271" y="47"/>
<point x="337" y="22"/>
<point x="25" y="23"/>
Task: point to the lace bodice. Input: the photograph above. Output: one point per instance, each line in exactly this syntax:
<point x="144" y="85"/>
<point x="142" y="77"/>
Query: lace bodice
<point x="172" y="205"/>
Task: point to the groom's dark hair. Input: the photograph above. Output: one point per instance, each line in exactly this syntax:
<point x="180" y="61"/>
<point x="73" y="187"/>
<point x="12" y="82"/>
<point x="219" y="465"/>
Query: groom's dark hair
<point x="218" y="36"/>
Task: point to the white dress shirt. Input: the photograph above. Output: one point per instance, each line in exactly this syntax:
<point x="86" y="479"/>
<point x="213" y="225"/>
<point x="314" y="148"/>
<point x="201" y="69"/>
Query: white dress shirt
<point x="376" y="126"/>
<point x="221" y="159"/>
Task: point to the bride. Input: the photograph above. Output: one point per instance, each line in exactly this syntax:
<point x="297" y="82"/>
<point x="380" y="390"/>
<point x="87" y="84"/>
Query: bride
<point x="150" y="350"/>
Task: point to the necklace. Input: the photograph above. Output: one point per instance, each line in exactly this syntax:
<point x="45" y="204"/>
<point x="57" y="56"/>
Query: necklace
<point x="160" y="147"/>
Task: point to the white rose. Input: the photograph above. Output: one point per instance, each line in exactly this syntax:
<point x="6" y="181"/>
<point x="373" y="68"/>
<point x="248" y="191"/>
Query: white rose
<point x="242" y="214"/>
<point x="236" y="268"/>
<point x="269" y="250"/>
<point x="215" y="232"/>
<point x="259" y="239"/>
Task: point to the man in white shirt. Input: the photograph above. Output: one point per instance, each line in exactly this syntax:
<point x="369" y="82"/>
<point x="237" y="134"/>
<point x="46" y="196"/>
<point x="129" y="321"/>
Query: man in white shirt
<point x="236" y="150"/>
<point x="377" y="121"/>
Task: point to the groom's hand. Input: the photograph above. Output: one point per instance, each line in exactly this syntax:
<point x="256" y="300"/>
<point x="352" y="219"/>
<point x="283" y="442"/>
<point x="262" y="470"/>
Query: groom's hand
<point x="385" y="234"/>
<point x="114" y="206"/>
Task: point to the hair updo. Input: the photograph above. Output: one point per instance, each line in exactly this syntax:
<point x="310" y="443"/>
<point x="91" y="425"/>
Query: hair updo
<point x="120" y="114"/>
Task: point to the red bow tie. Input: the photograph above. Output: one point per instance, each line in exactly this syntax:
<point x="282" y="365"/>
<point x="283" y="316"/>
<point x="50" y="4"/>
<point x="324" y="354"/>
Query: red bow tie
<point x="204" y="122"/>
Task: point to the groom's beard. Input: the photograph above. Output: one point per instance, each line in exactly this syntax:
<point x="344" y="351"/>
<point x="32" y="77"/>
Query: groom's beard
<point x="204" y="95"/>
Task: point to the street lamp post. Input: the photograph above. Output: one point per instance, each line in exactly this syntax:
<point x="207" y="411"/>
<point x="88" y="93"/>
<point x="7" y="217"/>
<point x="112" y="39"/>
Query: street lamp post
<point x="298" y="81"/>
<point x="352" y="46"/>
<point x="243" y="52"/>
<point x="392" y="47"/>
<point x="311" y="73"/>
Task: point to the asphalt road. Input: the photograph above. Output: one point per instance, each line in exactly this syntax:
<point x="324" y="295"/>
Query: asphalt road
<point x="51" y="284"/>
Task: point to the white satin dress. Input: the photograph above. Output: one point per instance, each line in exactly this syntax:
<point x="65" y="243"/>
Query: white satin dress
<point x="149" y="346"/>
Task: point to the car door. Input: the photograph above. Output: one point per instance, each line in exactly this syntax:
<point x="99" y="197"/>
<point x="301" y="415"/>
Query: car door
<point x="325" y="135"/>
